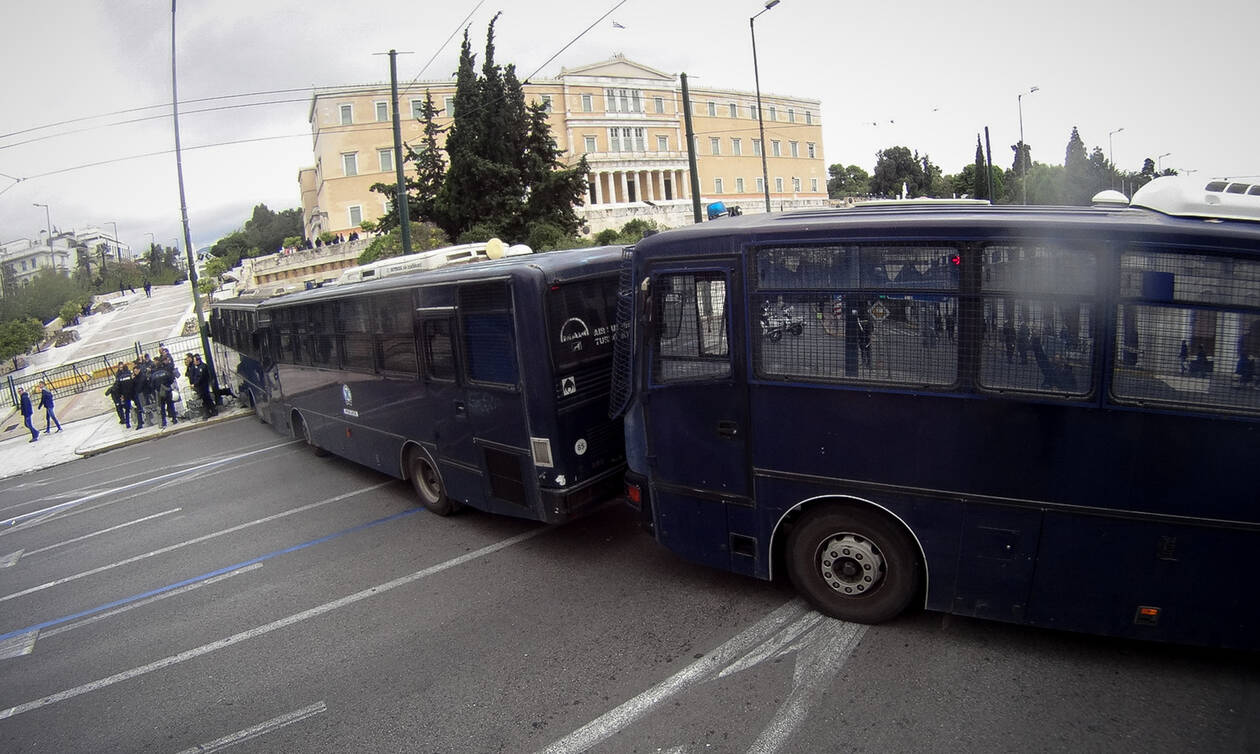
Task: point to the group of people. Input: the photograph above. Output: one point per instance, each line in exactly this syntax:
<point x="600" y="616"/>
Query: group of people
<point x="28" y="410"/>
<point x="149" y="385"/>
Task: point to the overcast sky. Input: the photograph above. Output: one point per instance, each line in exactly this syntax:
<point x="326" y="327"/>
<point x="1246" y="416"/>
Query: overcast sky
<point x="1178" y="77"/>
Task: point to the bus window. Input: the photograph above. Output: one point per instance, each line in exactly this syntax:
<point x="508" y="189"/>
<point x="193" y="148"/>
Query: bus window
<point x="1189" y="331"/>
<point x="395" y="344"/>
<point x="353" y="322"/>
<point x="884" y="313"/>
<point x="486" y="313"/>
<point x="578" y="322"/>
<point x="438" y="349"/>
<point x="1040" y="317"/>
<point x="691" y="340"/>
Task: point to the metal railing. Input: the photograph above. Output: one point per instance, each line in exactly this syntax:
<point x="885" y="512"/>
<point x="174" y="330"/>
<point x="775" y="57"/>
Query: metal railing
<point x="97" y="371"/>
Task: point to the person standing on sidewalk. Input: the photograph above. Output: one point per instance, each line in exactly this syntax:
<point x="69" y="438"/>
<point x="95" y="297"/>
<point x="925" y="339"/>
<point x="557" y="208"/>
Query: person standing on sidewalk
<point x="125" y="390"/>
<point x="27" y="411"/>
<point x="46" y="403"/>
<point x="203" y="386"/>
<point x="164" y="381"/>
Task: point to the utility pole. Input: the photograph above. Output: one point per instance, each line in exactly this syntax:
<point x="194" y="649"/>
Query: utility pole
<point x="183" y="209"/>
<point x="400" y="197"/>
<point x="691" y="148"/>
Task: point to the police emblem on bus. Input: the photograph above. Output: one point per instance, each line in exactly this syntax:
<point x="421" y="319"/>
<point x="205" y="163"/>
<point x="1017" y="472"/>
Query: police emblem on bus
<point x="568" y="386"/>
<point x="346" y="397"/>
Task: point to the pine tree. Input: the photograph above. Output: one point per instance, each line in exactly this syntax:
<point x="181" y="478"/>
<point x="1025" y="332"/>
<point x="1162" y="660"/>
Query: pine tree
<point x="981" y="188"/>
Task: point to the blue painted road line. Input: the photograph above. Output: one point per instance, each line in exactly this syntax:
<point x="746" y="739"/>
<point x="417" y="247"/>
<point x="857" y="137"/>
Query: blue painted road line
<point x="204" y="576"/>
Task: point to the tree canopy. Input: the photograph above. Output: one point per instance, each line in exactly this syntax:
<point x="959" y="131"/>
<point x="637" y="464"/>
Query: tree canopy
<point x="263" y="233"/>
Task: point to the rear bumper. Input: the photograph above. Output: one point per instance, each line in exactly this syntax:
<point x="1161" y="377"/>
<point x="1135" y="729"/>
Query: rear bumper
<point x="562" y="505"/>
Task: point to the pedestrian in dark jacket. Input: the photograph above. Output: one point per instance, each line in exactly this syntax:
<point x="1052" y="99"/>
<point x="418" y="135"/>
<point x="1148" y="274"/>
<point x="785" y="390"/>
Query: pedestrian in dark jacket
<point x="164" y="382"/>
<point x="46" y="403"/>
<point x="203" y="386"/>
<point x="112" y="392"/>
<point x="27" y="411"/>
<point x="125" y="387"/>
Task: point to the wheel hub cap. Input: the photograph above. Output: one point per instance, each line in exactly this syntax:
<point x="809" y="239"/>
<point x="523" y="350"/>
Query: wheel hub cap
<point x="850" y="564"/>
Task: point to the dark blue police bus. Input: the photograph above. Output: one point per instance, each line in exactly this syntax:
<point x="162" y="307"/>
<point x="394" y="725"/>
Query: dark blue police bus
<point x="485" y="384"/>
<point x="1043" y="415"/>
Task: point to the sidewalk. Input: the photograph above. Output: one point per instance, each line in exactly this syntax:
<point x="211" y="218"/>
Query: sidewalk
<point x="89" y="426"/>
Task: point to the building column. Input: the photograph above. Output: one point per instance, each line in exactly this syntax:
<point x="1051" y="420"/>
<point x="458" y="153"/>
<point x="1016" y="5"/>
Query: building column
<point x="598" y="180"/>
<point x="625" y="189"/>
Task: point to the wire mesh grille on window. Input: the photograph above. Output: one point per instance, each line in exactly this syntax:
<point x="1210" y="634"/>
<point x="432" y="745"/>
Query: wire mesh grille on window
<point x="1188" y="330"/>
<point x="866" y="313"/>
<point x="691" y="335"/>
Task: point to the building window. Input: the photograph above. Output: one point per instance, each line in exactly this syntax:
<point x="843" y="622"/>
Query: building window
<point x="756" y="147"/>
<point x="809" y="118"/>
<point x="794" y="148"/>
<point x="737" y="147"/>
<point x="587" y="103"/>
<point x="662" y="143"/>
<point x="448" y="104"/>
<point x="776" y="148"/>
<point x="810" y="150"/>
<point x="761" y="185"/>
<point x="546" y="103"/>
<point x="590" y="143"/>
<point x="417" y="109"/>
<point x="382" y="112"/>
<point x="626" y="140"/>
<point x="734" y="110"/>
<point x="350" y="164"/>
<point x="356" y="216"/>
<point x="813" y="185"/>
<point x="791" y="115"/>
<point x="796" y="185"/>
<point x="712" y="109"/>
<point x="347" y="115"/>
<point x="660" y="104"/>
<point x="778" y="185"/>
<point x="387" y="159"/>
<point x="739" y="185"/>
<point x="717" y="185"/>
<point x="772" y="113"/>
<point x="623" y="100"/>
<point x="715" y="145"/>
<point x="752" y="112"/>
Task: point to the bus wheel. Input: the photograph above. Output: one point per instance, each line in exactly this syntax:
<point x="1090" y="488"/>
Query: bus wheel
<point x="428" y="485"/>
<point x="853" y="564"/>
<point x="303" y="431"/>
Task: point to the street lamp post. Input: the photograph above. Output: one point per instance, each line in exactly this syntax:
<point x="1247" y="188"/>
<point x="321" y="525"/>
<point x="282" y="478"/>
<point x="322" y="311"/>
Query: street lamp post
<point x="1159" y="165"/>
<point x="1111" y="150"/>
<point x="761" y="123"/>
<point x="48" y="220"/>
<point x="1023" y="148"/>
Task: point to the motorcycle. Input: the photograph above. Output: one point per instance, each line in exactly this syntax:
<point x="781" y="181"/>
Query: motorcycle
<point x="775" y="322"/>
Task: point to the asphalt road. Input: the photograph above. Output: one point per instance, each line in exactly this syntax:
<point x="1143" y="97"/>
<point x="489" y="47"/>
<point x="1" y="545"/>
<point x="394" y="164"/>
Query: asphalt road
<point x="224" y="588"/>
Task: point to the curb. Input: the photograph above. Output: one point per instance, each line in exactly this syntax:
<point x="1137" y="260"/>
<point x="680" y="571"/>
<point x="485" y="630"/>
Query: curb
<point x="184" y="426"/>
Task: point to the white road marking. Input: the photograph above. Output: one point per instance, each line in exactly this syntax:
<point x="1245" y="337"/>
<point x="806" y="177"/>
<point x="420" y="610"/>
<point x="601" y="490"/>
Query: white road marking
<point x="821" y="657"/>
<point x="260" y="729"/>
<point x="254" y="633"/>
<point x="147" y="601"/>
<point x="193" y="541"/>
<point x="822" y="646"/>
<point x="622" y="716"/>
<point x="9" y="522"/>
<point x="102" y="531"/>
<point x="10" y="560"/>
<point x="16" y="646"/>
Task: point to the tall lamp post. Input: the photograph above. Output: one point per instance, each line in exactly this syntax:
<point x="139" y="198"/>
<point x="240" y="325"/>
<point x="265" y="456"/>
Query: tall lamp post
<point x="1159" y="165"/>
<point x="1023" y="148"/>
<point x="1111" y="149"/>
<point x="48" y="220"/>
<point x="761" y="123"/>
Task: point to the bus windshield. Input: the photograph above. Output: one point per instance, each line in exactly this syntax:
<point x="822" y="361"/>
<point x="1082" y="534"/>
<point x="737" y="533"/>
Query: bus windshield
<point x="579" y="322"/>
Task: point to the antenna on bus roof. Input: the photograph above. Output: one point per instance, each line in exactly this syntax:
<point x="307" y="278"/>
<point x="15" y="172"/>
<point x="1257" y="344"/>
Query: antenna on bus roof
<point x="1187" y="196"/>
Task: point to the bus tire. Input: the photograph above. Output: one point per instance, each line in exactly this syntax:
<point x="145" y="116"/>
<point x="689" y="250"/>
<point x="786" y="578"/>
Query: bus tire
<point x="853" y="564"/>
<point x="303" y="432"/>
<point x="427" y="483"/>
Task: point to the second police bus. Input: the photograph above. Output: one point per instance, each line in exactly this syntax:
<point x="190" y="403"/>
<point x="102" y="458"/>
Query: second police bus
<point x="484" y="384"/>
<point x="1042" y="415"/>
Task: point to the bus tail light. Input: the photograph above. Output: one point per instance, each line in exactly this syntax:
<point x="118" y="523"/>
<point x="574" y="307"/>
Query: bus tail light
<point x="1146" y="616"/>
<point x="634" y="495"/>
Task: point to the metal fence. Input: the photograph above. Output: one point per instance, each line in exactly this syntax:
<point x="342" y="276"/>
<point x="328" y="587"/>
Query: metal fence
<point x="97" y="371"/>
